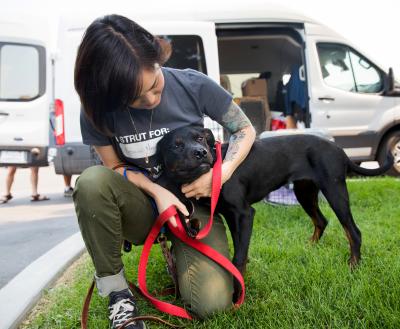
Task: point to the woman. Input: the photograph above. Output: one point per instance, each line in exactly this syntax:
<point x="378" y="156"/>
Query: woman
<point x="129" y="101"/>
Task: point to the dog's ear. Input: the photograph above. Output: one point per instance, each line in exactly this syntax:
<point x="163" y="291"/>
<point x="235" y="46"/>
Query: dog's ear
<point x="209" y="137"/>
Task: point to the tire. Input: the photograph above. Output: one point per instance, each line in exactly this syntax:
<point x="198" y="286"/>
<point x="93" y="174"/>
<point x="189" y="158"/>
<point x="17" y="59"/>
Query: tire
<point x="391" y="143"/>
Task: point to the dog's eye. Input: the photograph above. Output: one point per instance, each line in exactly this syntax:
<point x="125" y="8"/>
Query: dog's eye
<point x="199" y="138"/>
<point x="177" y="146"/>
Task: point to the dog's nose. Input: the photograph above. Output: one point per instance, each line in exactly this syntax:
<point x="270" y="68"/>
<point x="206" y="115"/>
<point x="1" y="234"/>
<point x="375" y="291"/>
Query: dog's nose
<point x="200" y="153"/>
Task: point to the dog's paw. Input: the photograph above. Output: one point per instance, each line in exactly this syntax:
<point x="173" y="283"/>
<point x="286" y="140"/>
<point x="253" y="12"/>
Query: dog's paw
<point x="354" y="262"/>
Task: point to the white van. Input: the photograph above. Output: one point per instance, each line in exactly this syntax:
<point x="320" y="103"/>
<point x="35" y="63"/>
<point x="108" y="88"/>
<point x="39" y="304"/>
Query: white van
<point x="347" y="93"/>
<point x="25" y="92"/>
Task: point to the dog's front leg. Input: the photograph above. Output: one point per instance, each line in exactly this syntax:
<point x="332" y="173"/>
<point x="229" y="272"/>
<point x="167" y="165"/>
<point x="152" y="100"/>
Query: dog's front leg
<point x="240" y="223"/>
<point x="245" y="221"/>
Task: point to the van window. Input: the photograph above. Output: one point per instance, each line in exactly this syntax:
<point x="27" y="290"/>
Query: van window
<point x="21" y="72"/>
<point x="345" y="69"/>
<point x="187" y="52"/>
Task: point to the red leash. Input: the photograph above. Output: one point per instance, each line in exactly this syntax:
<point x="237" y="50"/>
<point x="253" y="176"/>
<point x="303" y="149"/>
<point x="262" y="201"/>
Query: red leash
<point x="215" y="190"/>
<point x="201" y="247"/>
<point x="180" y="233"/>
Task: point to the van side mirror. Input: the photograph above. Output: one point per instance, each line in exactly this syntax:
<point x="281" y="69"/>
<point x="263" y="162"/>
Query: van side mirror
<point x="389" y="83"/>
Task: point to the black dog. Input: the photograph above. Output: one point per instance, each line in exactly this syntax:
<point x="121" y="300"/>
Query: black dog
<point x="312" y="163"/>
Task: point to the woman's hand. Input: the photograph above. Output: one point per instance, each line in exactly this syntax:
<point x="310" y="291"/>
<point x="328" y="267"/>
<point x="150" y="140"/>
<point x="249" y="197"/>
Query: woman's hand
<point x="200" y="188"/>
<point x="164" y="199"/>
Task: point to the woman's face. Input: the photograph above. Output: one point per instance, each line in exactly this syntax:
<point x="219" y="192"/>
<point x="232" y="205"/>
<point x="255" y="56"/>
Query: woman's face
<point x="152" y="87"/>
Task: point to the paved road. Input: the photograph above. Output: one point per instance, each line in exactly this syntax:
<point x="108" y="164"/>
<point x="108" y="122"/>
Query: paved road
<point x="29" y="229"/>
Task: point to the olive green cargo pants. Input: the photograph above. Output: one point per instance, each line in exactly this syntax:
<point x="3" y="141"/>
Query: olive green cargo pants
<point x="111" y="209"/>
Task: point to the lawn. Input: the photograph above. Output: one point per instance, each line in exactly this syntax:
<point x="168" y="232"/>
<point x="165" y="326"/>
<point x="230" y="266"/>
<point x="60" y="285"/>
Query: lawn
<point x="291" y="283"/>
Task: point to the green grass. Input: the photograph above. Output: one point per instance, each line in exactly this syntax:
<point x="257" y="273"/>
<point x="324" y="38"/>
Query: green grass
<point x="290" y="282"/>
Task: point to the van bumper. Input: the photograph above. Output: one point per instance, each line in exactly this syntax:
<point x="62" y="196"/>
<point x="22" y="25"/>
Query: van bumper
<point x="23" y="156"/>
<point x="73" y="158"/>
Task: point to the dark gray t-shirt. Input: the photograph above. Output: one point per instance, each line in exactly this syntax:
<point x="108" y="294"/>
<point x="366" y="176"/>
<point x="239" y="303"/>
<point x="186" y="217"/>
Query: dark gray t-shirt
<point x="187" y="96"/>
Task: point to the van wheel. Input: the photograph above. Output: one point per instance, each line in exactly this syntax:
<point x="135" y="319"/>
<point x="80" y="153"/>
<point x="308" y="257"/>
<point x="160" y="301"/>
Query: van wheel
<point x="391" y="143"/>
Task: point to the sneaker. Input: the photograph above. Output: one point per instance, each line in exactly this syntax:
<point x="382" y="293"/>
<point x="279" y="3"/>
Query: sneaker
<point x="68" y="192"/>
<point x="122" y="307"/>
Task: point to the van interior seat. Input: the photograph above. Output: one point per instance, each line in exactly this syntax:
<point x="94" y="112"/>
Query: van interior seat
<point x="267" y="76"/>
<point x="225" y="82"/>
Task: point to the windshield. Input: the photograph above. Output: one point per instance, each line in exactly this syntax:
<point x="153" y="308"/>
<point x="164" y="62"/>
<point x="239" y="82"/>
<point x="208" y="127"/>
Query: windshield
<point x="188" y="52"/>
<point x="22" y="75"/>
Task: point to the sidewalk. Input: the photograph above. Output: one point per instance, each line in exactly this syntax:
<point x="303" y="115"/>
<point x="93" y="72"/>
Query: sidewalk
<point x="19" y="296"/>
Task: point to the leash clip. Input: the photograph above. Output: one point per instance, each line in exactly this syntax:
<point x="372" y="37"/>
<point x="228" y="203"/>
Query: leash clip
<point x="162" y="238"/>
<point x="187" y="221"/>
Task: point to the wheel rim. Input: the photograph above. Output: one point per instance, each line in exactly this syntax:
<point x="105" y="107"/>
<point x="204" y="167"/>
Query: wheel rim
<point x="396" y="155"/>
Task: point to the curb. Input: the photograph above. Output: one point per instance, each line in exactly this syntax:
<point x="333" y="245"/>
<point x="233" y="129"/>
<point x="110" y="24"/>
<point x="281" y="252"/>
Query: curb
<point x="24" y="290"/>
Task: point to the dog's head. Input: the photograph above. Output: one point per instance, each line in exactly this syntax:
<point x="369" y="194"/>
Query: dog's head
<point x="187" y="153"/>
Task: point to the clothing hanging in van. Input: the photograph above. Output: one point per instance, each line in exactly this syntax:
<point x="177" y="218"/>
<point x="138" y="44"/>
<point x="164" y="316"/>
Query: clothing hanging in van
<point x="295" y="91"/>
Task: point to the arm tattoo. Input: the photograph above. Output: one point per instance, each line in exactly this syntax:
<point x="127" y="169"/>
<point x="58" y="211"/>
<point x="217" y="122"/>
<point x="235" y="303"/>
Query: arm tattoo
<point x="233" y="148"/>
<point x="235" y="119"/>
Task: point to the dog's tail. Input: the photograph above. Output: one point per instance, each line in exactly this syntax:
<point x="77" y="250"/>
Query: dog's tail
<point x="372" y="172"/>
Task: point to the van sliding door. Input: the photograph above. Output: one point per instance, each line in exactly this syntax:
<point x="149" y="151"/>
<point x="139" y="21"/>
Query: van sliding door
<point x="270" y="51"/>
<point x="346" y="95"/>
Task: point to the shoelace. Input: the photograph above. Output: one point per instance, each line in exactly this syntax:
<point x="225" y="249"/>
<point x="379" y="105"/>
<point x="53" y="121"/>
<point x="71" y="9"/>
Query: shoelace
<point x="119" y="316"/>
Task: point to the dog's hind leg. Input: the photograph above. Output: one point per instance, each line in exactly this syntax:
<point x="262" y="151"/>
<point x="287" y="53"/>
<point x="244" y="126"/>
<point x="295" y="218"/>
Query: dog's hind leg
<point x="338" y="198"/>
<point x="307" y="194"/>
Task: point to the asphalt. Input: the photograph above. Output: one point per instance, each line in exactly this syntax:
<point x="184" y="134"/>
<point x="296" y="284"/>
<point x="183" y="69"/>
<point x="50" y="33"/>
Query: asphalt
<point x="20" y="294"/>
<point x="28" y="230"/>
<point x="38" y="241"/>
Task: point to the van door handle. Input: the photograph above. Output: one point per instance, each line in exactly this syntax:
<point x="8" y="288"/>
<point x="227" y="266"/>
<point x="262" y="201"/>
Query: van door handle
<point x="326" y="99"/>
<point x="4" y="113"/>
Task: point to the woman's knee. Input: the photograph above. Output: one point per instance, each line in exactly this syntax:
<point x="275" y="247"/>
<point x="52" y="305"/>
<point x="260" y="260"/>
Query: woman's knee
<point x="93" y="180"/>
<point x="212" y="296"/>
<point x="93" y="189"/>
<point x="204" y="286"/>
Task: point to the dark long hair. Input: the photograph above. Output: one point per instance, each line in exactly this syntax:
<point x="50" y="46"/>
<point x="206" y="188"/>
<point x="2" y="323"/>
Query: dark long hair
<point x="113" y="53"/>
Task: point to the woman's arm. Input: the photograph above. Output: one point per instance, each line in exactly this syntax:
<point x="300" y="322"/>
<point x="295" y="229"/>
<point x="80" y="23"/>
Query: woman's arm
<point x="162" y="196"/>
<point x="240" y="142"/>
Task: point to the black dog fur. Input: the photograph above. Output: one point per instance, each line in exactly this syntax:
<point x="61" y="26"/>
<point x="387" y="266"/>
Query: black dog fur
<point x="312" y="163"/>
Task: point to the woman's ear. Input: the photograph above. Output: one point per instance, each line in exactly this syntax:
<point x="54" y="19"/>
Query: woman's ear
<point x="209" y="137"/>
